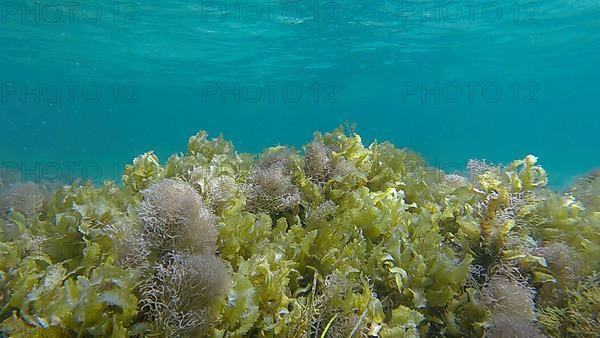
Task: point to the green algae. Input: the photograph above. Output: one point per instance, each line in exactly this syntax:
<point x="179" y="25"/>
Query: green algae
<point x="339" y="240"/>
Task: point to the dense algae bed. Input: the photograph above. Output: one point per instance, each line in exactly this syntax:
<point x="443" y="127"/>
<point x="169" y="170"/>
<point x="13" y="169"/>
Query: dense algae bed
<point x="338" y="240"/>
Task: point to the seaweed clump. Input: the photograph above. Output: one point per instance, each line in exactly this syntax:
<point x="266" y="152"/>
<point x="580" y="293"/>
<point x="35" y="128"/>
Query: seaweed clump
<point x="26" y="198"/>
<point x="181" y="294"/>
<point x="342" y="240"/>
<point x="175" y="217"/>
<point x="269" y="186"/>
<point x="182" y="287"/>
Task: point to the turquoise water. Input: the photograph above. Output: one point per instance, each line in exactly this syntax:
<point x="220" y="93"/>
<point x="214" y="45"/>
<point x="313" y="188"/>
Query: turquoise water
<point x="424" y="75"/>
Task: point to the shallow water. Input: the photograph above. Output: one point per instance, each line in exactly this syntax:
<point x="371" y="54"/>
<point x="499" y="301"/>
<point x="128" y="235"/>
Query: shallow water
<point x="168" y="69"/>
<point x="335" y="239"/>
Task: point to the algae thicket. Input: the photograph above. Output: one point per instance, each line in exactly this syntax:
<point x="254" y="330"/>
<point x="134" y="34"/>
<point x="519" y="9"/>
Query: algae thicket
<point x="337" y="239"/>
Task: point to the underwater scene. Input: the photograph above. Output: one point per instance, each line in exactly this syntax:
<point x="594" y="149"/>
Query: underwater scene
<point x="309" y="169"/>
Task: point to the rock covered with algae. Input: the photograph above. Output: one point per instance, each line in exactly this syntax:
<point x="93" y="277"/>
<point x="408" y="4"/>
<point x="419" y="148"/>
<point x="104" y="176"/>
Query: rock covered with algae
<point x="337" y="240"/>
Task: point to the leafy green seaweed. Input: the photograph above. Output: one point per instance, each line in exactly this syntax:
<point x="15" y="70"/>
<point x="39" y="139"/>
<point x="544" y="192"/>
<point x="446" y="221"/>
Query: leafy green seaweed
<point x="340" y="240"/>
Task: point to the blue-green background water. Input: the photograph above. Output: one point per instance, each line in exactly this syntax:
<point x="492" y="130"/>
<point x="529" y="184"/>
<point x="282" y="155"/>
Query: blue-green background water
<point x="364" y="62"/>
